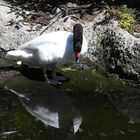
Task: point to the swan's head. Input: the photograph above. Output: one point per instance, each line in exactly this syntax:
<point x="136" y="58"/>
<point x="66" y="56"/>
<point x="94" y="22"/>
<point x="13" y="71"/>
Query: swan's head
<point x="77" y="40"/>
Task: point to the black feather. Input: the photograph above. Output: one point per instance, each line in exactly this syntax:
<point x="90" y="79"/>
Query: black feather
<point x="77" y="37"/>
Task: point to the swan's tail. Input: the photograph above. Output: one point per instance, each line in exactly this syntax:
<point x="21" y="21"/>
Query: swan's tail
<point x="19" y="54"/>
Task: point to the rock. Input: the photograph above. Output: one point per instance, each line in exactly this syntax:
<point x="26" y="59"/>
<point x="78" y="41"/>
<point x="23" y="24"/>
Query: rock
<point x="13" y="31"/>
<point x="114" y="50"/>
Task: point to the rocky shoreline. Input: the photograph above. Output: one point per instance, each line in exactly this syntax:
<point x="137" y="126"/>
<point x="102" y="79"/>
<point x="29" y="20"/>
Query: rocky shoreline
<point x="111" y="49"/>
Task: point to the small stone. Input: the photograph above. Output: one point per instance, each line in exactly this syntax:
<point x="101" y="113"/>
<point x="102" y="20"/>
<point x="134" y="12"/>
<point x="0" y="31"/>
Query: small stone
<point x="19" y="63"/>
<point x="102" y="134"/>
<point x="131" y="122"/>
<point x="122" y="132"/>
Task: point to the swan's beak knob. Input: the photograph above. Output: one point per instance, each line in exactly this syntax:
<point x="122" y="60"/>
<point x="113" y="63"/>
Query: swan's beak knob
<point x="77" y="57"/>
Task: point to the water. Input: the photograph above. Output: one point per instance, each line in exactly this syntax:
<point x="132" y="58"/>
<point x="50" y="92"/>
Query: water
<point x="89" y="106"/>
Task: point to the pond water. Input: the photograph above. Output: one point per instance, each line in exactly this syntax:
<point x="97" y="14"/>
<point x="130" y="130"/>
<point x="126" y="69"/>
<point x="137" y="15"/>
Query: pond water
<point x="89" y="106"/>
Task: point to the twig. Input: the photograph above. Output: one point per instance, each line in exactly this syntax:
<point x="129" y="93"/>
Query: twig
<point x="5" y="5"/>
<point x="59" y="14"/>
<point x="4" y="50"/>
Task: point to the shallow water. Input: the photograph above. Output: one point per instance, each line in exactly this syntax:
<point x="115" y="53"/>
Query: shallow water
<point x="88" y="106"/>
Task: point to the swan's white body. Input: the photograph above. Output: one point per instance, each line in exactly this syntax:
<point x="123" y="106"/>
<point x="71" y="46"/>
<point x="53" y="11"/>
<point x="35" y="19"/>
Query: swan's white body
<point x="47" y="49"/>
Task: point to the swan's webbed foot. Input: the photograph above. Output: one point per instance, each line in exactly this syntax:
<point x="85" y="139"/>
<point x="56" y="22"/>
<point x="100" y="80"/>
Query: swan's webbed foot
<point x="58" y="77"/>
<point x="51" y="81"/>
<point x="54" y="82"/>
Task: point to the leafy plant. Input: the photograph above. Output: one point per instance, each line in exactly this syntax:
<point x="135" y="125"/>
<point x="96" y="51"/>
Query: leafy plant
<point x="126" y="17"/>
<point x="123" y="14"/>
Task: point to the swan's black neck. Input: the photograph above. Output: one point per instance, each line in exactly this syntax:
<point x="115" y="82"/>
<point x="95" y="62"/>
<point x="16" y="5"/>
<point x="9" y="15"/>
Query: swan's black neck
<point x="77" y="40"/>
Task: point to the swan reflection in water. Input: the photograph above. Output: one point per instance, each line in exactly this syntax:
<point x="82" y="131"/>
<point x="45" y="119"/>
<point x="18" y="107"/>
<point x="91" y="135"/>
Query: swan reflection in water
<point x="53" y="109"/>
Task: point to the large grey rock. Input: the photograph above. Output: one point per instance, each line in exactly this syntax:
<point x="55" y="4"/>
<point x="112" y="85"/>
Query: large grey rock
<point x="114" y="50"/>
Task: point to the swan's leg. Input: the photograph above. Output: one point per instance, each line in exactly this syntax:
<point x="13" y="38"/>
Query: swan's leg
<point x="58" y="78"/>
<point x="45" y="74"/>
<point x="50" y="81"/>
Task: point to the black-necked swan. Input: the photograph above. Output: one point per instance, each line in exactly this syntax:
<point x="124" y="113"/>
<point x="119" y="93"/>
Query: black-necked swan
<point x="52" y="49"/>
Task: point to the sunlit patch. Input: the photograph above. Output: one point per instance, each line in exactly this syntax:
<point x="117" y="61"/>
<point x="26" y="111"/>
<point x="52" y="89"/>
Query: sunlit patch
<point x="68" y="69"/>
<point x="19" y="63"/>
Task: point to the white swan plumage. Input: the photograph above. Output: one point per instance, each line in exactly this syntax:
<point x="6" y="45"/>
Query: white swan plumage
<point x="50" y="50"/>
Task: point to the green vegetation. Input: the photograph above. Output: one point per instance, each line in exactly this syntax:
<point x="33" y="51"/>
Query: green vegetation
<point x="124" y="15"/>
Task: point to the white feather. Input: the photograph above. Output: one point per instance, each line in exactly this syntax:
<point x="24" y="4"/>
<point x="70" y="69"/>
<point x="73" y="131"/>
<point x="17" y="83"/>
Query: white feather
<point x="54" y="47"/>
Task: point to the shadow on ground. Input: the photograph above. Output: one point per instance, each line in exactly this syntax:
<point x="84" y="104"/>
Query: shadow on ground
<point x="37" y="73"/>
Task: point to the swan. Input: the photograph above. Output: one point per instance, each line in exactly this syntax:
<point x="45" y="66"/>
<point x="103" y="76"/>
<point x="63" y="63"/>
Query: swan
<point x="52" y="50"/>
<point x="60" y="113"/>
